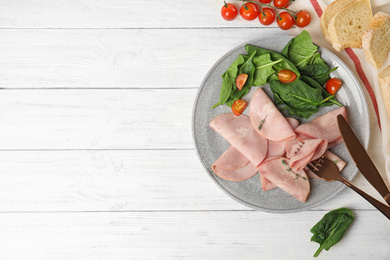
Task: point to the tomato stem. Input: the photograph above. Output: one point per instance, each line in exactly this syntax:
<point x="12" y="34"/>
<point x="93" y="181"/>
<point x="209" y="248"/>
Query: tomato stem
<point x="225" y="4"/>
<point x="271" y="6"/>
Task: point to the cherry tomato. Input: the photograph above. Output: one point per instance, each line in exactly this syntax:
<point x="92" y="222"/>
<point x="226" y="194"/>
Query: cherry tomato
<point x="239" y="106"/>
<point x="267" y="16"/>
<point x="281" y="3"/>
<point x="240" y="80"/>
<point x="286" y="76"/>
<point x="303" y="19"/>
<point x="285" y="21"/>
<point x="332" y="85"/>
<point x="249" y="11"/>
<point x="229" y="12"/>
<point x="265" y="1"/>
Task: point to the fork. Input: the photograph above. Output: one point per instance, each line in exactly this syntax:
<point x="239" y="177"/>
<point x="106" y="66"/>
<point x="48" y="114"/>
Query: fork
<point x="328" y="171"/>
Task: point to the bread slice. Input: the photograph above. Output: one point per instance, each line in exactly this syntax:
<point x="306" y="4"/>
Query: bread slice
<point x="330" y="11"/>
<point x="347" y="26"/>
<point x="376" y="40"/>
<point x="384" y="82"/>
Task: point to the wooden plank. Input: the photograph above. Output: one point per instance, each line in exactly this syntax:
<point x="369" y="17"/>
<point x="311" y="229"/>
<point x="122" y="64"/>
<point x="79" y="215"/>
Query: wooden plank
<point x="96" y="119"/>
<point x="189" y="235"/>
<point x="152" y="58"/>
<point x="117" y="14"/>
<point x="136" y="180"/>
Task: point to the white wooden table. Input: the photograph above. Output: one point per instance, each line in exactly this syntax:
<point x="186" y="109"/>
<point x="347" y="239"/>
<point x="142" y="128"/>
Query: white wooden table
<point x="96" y="153"/>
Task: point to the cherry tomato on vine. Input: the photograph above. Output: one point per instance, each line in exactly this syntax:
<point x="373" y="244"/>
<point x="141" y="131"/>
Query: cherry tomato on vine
<point x="285" y="21"/>
<point x="286" y="76"/>
<point x="333" y="85"/>
<point x="240" y="80"/>
<point x="239" y="106"/>
<point x="281" y="3"/>
<point x="249" y="11"/>
<point x="267" y="16"/>
<point x="229" y="12"/>
<point x="303" y="19"/>
<point x="265" y="1"/>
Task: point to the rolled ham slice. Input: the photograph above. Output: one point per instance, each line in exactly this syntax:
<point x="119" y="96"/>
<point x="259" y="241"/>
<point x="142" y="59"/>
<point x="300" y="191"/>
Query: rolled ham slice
<point x="274" y="126"/>
<point x="278" y="171"/>
<point x="324" y="127"/>
<point x="238" y="131"/>
<point x="233" y="166"/>
<point x="304" y="152"/>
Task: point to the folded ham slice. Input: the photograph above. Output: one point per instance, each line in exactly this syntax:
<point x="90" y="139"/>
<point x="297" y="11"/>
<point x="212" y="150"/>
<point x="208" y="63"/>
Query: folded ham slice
<point x="331" y="156"/>
<point x="233" y="166"/>
<point x="238" y="131"/>
<point x="324" y="127"/>
<point x="267" y="119"/>
<point x="304" y="152"/>
<point x="278" y="171"/>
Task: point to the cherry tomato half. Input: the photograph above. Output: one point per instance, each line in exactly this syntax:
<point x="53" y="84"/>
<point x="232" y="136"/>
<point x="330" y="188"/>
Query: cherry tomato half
<point x="333" y="85"/>
<point x="286" y="76"/>
<point x="229" y="12"/>
<point x="281" y="3"/>
<point x="267" y="16"/>
<point x="239" y="106"/>
<point x="240" y="80"/>
<point x="285" y="21"/>
<point x="303" y="19"/>
<point x="265" y="1"/>
<point x="249" y="11"/>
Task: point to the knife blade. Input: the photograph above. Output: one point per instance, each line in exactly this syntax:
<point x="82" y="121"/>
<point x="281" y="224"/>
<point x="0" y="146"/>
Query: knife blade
<point x="361" y="159"/>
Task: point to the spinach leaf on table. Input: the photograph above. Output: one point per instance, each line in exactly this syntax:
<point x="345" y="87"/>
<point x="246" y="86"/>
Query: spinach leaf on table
<point x="331" y="228"/>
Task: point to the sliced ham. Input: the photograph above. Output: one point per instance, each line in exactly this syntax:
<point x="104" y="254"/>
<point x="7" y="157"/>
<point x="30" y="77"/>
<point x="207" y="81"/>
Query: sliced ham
<point x="278" y="171"/>
<point x="266" y="184"/>
<point x="276" y="149"/>
<point x="293" y="122"/>
<point x="238" y="131"/>
<point x="233" y="166"/>
<point x="304" y="152"/>
<point x="324" y="127"/>
<point x="274" y="126"/>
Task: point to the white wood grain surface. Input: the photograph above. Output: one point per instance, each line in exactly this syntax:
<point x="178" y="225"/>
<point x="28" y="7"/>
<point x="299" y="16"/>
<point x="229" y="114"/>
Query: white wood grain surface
<point x="96" y="153"/>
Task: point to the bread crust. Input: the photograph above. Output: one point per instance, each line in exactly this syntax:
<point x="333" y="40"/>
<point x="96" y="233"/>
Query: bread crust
<point x="329" y="12"/>
<point x="384" y="82"/>
<point x="370" y="36"/>
<point x="343" y="38"/>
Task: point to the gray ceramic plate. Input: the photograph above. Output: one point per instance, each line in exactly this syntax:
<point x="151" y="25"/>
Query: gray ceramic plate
<point x="211" y="145"/>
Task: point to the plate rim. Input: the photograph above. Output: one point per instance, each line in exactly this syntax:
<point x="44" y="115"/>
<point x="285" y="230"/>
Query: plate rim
<point x="238" y="199"/>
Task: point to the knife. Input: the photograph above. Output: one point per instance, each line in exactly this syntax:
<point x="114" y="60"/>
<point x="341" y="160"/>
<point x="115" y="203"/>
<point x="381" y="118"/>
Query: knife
<point x="361" y="158"/>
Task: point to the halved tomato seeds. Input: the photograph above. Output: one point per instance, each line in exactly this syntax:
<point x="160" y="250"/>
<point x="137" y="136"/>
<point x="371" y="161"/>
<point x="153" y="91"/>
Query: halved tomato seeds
<point x="239" y="106"/>
<point x="240" y="80"/>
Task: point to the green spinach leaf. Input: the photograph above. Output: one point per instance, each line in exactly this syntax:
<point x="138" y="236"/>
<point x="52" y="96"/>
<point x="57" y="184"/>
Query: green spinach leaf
<point x="263" y="68"/>
<point x="300" y="50"/>
<point x="283" y="64"/>
<point x="299" y="98"/>
<point x="229" y="81"/>
<point x="328" y="98"/>
<point x="331" y="228"/>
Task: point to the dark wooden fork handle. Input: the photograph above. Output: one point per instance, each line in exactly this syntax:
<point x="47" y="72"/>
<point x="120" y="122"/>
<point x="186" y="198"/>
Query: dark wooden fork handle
<point x="377" y="204"/>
